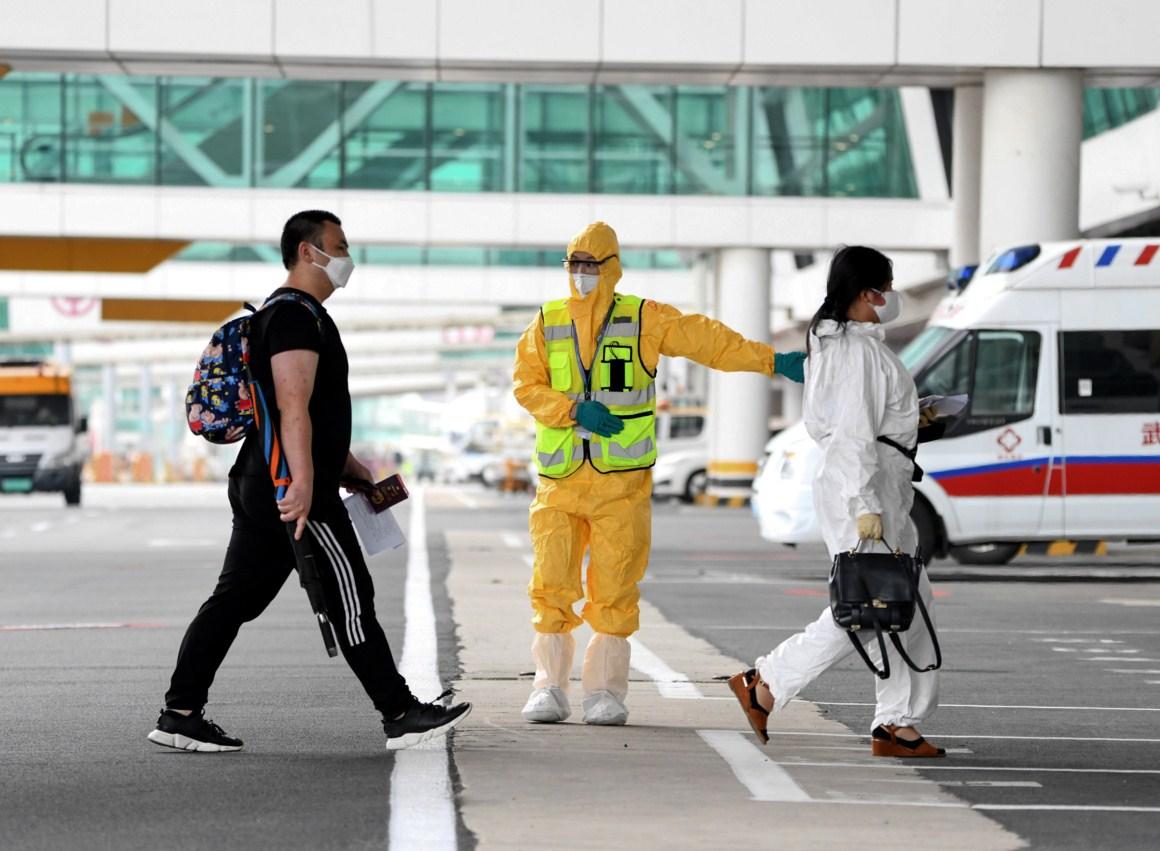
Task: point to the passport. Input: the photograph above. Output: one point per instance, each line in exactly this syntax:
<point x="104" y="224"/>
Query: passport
<point x="381" y="495"/>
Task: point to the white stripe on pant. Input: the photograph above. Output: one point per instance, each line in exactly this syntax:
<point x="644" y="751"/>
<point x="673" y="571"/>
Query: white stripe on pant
<point x="345" y="577"/>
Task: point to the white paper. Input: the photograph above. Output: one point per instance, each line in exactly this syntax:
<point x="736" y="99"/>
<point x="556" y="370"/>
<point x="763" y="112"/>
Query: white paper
<point x="945" y="406"/>
<point x="377" y="532"/>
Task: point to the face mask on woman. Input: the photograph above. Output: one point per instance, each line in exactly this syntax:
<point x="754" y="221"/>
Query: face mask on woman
<point x="888" y="311"/>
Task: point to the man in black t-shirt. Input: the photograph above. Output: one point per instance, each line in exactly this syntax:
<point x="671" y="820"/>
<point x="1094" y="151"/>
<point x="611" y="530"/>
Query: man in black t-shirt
<point x="298" y="359"/>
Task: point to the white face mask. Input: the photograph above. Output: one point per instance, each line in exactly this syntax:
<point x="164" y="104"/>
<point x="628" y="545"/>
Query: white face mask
<point x="338" y="269"/>
<point x="889" y="311"/>
<point x="585" y="283"/>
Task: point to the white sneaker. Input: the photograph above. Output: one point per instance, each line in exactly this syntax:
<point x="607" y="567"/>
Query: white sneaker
<point x="603" y="708"/>
<point x="547" y="706"/>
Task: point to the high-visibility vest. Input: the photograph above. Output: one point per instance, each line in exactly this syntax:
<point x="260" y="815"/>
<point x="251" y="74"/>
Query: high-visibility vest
<point x="618" y="379"/>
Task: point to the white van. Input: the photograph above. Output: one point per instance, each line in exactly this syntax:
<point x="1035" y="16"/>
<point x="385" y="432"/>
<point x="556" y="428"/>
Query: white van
<point x="40" y="448"/>
<point x="1058" y="346"/>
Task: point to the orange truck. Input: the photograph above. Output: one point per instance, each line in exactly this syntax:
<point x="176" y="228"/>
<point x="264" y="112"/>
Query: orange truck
<point x="40" y="448"/>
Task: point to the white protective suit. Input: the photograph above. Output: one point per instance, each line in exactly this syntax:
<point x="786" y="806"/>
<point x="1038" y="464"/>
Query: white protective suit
<point x="857" y="389"/>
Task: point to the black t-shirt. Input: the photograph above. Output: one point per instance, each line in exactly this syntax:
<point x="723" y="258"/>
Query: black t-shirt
<point x="288" y="326"/>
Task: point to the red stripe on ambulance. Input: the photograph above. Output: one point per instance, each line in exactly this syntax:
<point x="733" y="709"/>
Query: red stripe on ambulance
<point x="1146" y="255"/>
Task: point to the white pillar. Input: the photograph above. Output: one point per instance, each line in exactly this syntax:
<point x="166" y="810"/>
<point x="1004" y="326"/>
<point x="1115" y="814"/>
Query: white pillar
<point x="739" y="411"/>
<point x="1032" y="130"/>
<point x="966" y="160"/>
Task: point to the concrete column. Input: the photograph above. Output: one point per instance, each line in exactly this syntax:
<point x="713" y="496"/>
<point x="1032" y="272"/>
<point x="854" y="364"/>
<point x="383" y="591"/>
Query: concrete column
<point x="966" y="162"/>
<point x="740" y="401"/>
<point x="108" y="432"/>
<point x="1032" y="130"/>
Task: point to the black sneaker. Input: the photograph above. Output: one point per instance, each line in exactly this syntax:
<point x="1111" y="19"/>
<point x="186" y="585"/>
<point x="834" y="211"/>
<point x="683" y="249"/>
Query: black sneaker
<point x="422" y="722"/>
<point x="192" y="733"/>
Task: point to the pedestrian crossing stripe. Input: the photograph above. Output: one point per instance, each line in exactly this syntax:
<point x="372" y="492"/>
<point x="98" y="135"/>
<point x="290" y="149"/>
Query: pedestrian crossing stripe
<point x="1064" y="548"/>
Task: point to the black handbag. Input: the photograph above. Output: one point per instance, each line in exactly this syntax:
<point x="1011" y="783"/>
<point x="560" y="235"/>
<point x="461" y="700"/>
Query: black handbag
<point x="879" y="591"/>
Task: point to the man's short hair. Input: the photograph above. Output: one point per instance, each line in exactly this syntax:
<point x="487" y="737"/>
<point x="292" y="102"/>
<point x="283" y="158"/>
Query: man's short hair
<point x="303" y="227"/>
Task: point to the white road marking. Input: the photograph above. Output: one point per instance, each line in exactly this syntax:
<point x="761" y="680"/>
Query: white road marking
<point x="177" y="543"/>
<point x="41" y="626"/>
<point x="513" y="540"/>
<point x="795" y="733"/>
<point x="422" y="801"/>
<point x="990" y="784"/>
<point x="764" y="778"/>
<point x="1117" y="659"/>
<point x="767" y="780"/>
<point x="1016" y="705"/>
<point x="1132" y="670"/>
<point x="670" y="683"/>
<point x="530" y="560"/>
<point x="42" y="526"/>
<point x="466" y="500"/>
<point x="1108" y="650"/>
<point x="881" y="765"/>
<point x="1078" y="640"/>
<point x="1130" y="601"/>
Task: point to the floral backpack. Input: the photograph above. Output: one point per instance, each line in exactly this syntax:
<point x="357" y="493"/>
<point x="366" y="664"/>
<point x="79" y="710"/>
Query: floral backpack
<point x="219" y="404"/>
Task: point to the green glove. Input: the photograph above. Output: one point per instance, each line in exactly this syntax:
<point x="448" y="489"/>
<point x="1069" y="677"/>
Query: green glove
<point x="595" y="417"/>
<point x="791" y="364"/>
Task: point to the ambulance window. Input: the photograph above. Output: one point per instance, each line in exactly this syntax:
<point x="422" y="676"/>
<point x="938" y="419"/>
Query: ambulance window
<point x="1006" y="366"/>
<point x="686" y="426"/>
<point x="1110" y="372"/>
<point x="951" y="375"/>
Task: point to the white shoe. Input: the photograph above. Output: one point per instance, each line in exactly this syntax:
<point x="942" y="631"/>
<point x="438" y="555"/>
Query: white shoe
<point x="603" y="708"/>
<point x="547" y="706"/>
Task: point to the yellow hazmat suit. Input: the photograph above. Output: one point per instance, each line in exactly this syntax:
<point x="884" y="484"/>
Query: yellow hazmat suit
<point x="609" y="515"/>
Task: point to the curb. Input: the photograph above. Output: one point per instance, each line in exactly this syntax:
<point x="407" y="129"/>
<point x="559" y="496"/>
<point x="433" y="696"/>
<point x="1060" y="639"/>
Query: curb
<point x="1064" y="548"/>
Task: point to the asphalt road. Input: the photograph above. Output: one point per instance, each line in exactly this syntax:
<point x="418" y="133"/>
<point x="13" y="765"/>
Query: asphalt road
<point x="1050" y="695"/>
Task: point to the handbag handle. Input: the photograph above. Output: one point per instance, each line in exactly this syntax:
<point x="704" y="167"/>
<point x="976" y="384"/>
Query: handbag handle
<point x="884" y="673"/>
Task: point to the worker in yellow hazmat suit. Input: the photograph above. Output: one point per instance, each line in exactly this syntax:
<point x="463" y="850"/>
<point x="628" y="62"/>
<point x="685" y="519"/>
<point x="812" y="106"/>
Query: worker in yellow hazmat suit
<point x="584" y="369"/>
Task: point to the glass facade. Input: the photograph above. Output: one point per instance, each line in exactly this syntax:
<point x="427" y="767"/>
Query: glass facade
<point x="453" y="137"/>
<point x="1107" y="109"/>
<point x="387" y="255"/>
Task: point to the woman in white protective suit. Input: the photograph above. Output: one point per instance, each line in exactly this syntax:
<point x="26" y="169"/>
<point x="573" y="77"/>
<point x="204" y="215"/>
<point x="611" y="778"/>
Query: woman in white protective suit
<point x="856" y="391"/>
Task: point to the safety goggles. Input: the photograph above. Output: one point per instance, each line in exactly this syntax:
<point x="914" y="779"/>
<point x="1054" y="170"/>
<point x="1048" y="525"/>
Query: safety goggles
<point x="575" y="265"/>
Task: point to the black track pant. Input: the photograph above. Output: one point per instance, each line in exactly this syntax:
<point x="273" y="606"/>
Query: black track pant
<point x="257" y="563"/>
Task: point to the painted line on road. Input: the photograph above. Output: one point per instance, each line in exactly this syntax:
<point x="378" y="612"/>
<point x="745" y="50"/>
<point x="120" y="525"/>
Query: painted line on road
<point x="422" y="802"/>
<point x="988" y="784"/>
<point x="1130" y="601"/>
<point x="465" y="499"/>
<point x="165" y="543"/>
<point x="1012" y="705"/>
<point x="764" y="627"/>
<point x="42" y="526"/>
<point x="764" y="778"/>
<point x="28" y="627"/>
<point x="1132" y="670"/>
<point x="514" y="540"/>
<point x="892" y="765"/>
<point x="1116" y="659"/>
<point x="530" y="560"/>
<point x="1078" y="640"/>
<point x="670" y="683"/>
<point x="1105" y="739"/>
<point x="768" y="780"/>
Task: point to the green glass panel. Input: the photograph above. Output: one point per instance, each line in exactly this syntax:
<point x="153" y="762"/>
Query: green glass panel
<point x="554" y="138"/>
<point x="105" y="141"/>
<point x="467" y="130"/>
<point x="389" y="150"/>
<point x="630" y="155"/>
<point x="1107" y="109"/>
<point x="209" y="119"/>
<point x="31" y="127"/>
<point x="712" y="140"/>
<point x="3" y="314"/>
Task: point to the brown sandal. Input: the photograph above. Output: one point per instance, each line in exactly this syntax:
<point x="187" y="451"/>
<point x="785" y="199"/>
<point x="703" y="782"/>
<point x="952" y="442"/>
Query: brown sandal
<point x="744" y="688"/>
<point x="885" y="742"/>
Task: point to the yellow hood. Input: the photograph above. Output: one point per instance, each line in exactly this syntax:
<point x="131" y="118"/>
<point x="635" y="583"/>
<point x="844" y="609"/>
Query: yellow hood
<point x="599" y="240"/>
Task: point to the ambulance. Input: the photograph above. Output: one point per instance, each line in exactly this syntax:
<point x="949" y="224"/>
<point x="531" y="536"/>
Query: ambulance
<point x="1058" y="347"/>
<point x="40" y="448"/>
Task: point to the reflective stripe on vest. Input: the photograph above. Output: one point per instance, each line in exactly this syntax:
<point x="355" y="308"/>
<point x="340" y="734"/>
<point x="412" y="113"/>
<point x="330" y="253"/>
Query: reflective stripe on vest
<point x="616" y="364"/>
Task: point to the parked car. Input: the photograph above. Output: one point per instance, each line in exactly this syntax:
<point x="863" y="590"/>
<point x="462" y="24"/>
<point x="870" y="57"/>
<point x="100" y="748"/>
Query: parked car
<point x="1058" y="347"/>
<point x="683" y="454"/>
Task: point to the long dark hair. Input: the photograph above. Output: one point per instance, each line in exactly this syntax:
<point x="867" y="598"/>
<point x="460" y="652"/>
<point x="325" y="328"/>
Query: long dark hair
<point x="854" y="268"/>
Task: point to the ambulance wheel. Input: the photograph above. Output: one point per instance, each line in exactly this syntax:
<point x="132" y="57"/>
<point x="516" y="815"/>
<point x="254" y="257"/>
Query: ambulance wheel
<point x="926" y="523"/>
<point x="992" y="554"/>
<point x="697" y="484"/>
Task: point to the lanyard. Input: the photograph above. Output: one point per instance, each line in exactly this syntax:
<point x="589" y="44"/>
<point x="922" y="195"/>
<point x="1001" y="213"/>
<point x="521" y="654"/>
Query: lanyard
<point x="587" y="372"/>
